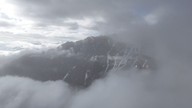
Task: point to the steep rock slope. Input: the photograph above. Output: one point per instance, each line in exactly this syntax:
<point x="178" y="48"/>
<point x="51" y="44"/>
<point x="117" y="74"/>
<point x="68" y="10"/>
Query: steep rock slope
<point x="79" y="63"/>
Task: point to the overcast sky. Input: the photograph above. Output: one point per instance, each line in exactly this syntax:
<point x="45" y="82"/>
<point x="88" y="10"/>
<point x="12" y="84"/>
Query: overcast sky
<point x="162" y="27"/>
<point x="29" y="24"/>
<point x="34" y="24"/>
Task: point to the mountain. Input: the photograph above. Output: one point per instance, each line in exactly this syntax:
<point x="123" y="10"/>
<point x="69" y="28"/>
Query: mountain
<point x="79" y="63"/>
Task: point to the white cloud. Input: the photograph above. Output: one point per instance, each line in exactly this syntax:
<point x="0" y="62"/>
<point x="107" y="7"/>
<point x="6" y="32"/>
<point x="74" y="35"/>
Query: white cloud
<point x="7" y="8"/>
<point x="132" y="89"/>
<point x="86" y="21"/>
<point x="18" y="92"/>
<point x="18" y="29"/>
<point x="151" y="19"/>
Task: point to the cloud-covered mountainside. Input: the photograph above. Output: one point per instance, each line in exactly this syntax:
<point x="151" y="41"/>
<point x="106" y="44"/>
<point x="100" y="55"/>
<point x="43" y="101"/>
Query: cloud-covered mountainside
<point x="79" y="63"/>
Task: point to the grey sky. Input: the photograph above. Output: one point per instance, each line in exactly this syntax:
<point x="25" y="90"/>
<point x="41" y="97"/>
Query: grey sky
<point x="28" y="20"/>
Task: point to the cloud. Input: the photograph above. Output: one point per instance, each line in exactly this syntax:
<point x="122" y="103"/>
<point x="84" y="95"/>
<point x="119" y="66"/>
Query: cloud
<point x="14" y="43"/>
<point x="18" y="92"/>
<point x="54" y="12"/>
<point x="17" y="27"/>
<point x="122" y="89"/>
<point x="124" y="17"/>
<point x="161" y="28"/>
<point x="136" y="91"/>
<point x="5" y="24"/>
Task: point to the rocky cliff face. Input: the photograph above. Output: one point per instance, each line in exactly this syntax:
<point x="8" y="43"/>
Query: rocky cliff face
<point x="79" y="63"/>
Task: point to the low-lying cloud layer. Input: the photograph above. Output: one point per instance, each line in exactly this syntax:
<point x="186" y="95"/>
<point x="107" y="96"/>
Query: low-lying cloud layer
<point x="18" y="92"/>
<point x="118" y="90"/>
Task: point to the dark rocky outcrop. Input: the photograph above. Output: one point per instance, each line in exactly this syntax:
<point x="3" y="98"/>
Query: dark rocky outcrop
<point x="79" y="63"/>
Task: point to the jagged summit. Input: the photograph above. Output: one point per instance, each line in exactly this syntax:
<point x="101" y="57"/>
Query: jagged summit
<point x="95" y="46"/>
<point x="81" y="63"/>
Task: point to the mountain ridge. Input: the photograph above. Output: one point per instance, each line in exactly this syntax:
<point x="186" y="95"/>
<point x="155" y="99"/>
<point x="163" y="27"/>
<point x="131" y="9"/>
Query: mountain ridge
<point x="80" y="63"/>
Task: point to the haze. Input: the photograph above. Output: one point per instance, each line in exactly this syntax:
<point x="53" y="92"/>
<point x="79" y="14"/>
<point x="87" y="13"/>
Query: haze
<point x="159" y="29"/>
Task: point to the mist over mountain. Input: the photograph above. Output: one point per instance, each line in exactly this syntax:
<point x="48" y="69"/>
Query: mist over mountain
<point x="141" y="56"/>
<point x="79" y="63"/>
